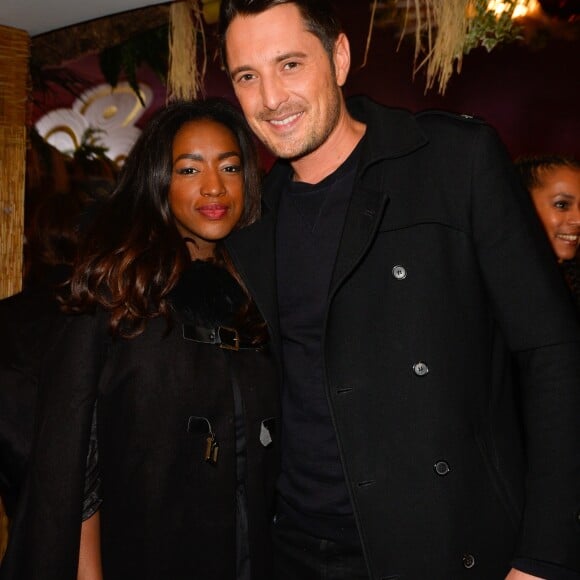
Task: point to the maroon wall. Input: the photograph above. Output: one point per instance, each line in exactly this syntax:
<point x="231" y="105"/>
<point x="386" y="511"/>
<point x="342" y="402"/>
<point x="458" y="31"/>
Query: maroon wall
<point x="531" y="96"/>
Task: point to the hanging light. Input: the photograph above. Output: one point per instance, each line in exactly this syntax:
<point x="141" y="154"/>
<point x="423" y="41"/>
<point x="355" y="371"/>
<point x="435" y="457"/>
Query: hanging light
<point x="517" y="8"/>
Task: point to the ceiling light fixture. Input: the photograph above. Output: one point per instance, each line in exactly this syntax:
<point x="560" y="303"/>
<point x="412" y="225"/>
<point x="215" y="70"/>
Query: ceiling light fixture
<point x="517" y="9"/>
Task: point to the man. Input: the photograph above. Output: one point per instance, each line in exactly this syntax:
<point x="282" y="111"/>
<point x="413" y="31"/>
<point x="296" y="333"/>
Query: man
<point x="407" y="285"/>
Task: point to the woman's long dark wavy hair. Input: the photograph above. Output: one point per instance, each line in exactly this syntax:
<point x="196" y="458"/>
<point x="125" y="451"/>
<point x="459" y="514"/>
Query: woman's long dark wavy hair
<point x="132" y="255"/>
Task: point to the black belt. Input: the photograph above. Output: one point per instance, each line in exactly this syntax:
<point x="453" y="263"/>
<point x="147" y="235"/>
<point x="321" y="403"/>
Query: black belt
<point x="222" y="336"/>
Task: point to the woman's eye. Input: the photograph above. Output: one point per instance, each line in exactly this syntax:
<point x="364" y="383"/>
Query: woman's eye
<point x="187" y="171"/>
<point x="561" y="204"/>
<point x="290" y="65"/>
<point x="233" y="168"/>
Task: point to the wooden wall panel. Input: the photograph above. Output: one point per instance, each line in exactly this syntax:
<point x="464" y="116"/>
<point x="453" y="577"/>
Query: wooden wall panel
<point x="14" y="57"/>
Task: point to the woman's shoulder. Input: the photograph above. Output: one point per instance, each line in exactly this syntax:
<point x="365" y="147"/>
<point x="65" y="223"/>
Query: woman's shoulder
<point x="207" y="294"/>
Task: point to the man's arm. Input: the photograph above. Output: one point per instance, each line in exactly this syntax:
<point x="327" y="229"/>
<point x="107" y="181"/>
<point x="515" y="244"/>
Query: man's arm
<point x="532" y="306"/>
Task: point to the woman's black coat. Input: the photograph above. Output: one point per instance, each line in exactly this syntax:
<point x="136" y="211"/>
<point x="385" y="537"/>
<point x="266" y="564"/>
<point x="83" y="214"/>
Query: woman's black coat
<point x="27" y="321"/>
<point x="166" y="513"/>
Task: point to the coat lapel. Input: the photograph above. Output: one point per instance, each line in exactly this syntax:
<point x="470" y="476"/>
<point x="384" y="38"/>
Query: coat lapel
<point x="253" y="253"/>
<point x="391" y="135"/>
<point x="364" y="215"/>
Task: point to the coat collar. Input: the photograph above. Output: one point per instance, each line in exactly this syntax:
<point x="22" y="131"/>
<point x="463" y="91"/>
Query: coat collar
<point x="390" y="134"/>
<point x="253" y="252"/>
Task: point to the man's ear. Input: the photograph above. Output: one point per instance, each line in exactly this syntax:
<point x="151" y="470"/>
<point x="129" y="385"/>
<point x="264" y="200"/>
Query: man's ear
<point x="341" y="58"/>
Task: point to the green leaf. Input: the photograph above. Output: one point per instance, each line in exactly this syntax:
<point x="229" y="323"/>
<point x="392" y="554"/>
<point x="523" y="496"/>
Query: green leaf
<point x="111" y="64"/>
<point x="150" y="47"/>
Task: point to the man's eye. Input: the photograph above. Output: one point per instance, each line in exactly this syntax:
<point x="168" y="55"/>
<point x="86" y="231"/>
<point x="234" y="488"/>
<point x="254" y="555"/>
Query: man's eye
<point x="290" y="65"/>
<point x="245" y="78"/>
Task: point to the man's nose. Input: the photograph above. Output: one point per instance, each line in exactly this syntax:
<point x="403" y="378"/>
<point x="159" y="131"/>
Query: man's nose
<point x="274" y="92"/>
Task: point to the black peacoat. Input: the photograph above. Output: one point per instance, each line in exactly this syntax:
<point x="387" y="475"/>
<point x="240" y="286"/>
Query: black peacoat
<point x="451" y="353"/>
<point x="166" y="512"/>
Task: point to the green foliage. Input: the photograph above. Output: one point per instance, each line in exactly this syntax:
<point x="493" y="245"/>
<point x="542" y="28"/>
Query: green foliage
<point x="89" y="147"/>
<point x="150" y="47"/>
<point x="91" y="155"/>
<point x="488" y="29"/>
<point x="44" y="81"/>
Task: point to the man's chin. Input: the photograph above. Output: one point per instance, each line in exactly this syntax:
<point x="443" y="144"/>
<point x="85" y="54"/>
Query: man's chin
<point x="289" y="152"/>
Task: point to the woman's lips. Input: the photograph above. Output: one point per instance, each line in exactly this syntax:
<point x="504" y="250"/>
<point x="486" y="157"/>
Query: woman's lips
<point x="214" y="211"/>
<point x="568" y="238"/>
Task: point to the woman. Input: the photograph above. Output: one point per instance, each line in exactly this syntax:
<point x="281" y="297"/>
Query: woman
<point x="554" y="186"/>
<point x="167" y="359"/>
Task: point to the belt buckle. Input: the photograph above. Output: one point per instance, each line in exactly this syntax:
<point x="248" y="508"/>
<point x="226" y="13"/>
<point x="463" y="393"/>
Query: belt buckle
<point x="229" y="338"/>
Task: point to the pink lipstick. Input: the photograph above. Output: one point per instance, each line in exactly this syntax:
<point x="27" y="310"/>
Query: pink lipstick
<point x="213" y="211"/>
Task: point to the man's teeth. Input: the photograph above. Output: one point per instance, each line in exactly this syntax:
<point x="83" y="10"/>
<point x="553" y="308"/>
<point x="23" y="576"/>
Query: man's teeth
<point x="286" y="121"/>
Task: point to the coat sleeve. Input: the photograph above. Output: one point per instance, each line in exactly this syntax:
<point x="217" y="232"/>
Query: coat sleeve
<point x="45" y="535"/>
<point x="535" y="312"/>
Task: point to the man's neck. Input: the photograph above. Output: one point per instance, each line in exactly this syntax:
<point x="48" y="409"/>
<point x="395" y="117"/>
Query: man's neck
<point x="315" y="166"/>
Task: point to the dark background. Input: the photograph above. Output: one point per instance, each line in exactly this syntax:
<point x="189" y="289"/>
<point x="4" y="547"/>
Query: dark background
<point x="529" y="91"/>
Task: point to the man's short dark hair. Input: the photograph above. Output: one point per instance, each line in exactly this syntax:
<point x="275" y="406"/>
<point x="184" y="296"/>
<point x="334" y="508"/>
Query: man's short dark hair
<point x="319" y="17"/>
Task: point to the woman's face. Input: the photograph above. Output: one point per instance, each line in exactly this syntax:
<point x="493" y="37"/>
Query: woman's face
<point x="557" y="201"/>
<point x="206" y="194"/>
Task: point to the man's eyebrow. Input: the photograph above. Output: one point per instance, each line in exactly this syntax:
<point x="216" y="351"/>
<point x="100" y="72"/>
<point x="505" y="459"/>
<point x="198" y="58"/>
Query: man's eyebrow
<point x="281" y="57"/>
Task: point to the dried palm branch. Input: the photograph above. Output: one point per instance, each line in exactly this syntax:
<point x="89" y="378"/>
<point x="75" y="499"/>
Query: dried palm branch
<point x="185" y="76"/>
<point x="445" y="30"/>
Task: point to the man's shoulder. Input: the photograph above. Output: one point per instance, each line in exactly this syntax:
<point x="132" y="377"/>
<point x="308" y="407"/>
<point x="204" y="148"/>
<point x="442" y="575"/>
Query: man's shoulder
<point x="363" y="106"/>
<point x="445" y="127"/>
<point x="441" y="116"/>
<point x="394" y="131"/>
<point x="435" y="122"/>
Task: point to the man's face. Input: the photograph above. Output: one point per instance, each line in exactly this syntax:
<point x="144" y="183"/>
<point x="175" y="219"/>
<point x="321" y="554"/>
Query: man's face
<point x="286" y="85"/>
